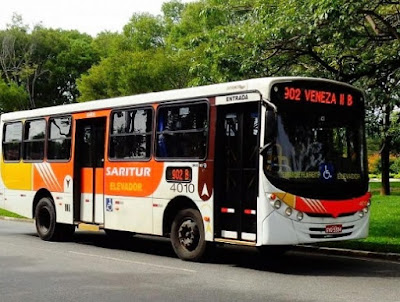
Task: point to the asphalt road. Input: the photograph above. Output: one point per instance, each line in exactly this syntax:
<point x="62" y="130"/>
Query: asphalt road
<point x="92" y="268"/>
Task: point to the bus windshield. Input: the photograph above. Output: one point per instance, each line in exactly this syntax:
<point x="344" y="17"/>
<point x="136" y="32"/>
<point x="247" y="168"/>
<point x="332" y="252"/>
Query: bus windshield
<point x="316" y="150"/>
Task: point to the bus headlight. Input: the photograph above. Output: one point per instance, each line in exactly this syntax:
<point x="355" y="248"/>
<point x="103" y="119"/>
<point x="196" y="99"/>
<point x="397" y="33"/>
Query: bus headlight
<point x="361" y="214"/>
<point x="277" y="204"/>
<point x="288" y="211"/>
<point x="300" y="216"/>
<point x="365" y="210"/>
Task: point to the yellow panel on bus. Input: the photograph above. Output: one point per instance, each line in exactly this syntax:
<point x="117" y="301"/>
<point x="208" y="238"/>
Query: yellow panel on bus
<point x="17" y="176"/>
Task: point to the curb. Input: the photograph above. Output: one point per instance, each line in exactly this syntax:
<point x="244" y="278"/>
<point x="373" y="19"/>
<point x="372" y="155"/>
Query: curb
<point x="16" y="219"/>
<point x="348" y="252"/>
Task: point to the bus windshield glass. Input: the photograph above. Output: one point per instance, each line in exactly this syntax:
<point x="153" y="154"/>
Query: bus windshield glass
<point x="316" y="145"/>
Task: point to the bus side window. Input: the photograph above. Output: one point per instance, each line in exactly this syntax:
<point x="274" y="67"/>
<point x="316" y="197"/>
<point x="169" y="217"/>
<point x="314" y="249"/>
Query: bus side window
<point x="182" y="131"/>
<point x="34" y="140"/>
<point x="161" y="144"/>
<point x="131" y="134"/>
<point x="59" y="138"/>
<point x="12" y="141"/>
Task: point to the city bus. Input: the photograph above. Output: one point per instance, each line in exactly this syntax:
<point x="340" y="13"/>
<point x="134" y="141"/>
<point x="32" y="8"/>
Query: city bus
<point x="262" y="162"/>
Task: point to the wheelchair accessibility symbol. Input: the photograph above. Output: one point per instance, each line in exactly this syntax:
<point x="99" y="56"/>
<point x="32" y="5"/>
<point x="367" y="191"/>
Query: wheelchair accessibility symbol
<point x="109" y="204"/>
<point x="326" y="172"/>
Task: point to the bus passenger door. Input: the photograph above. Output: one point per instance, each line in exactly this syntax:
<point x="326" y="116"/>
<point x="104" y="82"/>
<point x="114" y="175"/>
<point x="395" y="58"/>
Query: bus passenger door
<point x="89" y="171"/>
<point x="236" y="171"/>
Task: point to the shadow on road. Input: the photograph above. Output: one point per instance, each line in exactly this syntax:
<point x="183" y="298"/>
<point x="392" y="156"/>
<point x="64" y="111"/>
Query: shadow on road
<point x="291" y="263"/>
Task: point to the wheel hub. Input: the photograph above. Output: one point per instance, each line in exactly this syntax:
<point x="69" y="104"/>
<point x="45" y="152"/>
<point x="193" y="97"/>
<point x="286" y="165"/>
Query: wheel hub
<point x="189" y="234"/>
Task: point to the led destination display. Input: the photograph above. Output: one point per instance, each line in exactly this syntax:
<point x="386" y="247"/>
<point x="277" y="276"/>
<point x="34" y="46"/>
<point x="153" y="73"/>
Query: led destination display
<point x="315" y="92"/>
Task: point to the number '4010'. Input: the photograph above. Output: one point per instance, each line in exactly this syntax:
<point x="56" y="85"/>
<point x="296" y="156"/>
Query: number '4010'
<point x="182" y="188"/>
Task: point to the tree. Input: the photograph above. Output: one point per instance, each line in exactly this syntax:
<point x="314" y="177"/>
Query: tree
<point x="143" y="32"/>
<point x="138" y="61"/>
<point x="45" y="62"/>
<point x="62" y="56"/>
<point x="12" y="97"/>
<point x="351" y="41"/>
<point x="216" y="41"/>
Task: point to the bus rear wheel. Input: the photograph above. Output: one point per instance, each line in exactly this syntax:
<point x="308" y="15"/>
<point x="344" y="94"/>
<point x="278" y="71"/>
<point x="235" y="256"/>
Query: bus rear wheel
<point x="45" y="220"/>
<point x="187" y="235"/>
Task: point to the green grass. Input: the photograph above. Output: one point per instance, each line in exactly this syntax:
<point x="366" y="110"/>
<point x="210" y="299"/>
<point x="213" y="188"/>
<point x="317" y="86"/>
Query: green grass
<point x="384" y="230"/>
<point x="9" y="214"/>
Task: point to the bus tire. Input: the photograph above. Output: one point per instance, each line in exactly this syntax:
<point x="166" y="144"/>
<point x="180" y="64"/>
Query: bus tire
<point x="187" y="235"/>
<point x="45" y="220"/>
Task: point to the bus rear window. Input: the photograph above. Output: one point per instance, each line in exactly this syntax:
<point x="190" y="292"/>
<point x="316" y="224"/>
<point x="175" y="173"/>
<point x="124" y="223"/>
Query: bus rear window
<point x="12" y="141"/>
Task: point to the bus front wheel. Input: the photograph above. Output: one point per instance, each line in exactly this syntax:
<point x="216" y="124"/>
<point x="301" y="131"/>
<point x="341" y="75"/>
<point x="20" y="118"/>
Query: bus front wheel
<point x="187" y="235"/>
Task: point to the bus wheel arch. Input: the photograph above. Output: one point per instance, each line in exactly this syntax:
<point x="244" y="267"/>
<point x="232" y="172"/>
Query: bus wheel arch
<point x="177" y="204"/>
<point x="38" y="196"/>
<point x="186" y="229"/>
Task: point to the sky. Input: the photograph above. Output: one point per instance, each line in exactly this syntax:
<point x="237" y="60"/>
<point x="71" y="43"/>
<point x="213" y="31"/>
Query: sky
<point x="89" y="16"/>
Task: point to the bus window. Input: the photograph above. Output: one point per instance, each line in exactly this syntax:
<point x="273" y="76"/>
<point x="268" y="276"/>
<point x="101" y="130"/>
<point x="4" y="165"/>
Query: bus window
<point x="34" y="138"/>
<point x="130" y="137"/>
<point x="12" y="141"/>
<point x="59" y="138"/>
<point x="182" y="131"/>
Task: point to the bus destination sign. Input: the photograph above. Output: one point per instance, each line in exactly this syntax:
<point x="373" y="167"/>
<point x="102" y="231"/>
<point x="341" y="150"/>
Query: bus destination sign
<point x="317" y="96"/>
<point x="329" y="94"/>
<point x="179" y="174"/>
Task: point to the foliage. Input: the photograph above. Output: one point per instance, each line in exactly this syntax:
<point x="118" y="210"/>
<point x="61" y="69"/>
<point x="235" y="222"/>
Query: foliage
<point x="373" y="163"/>
<point x="43" y="62"/>
<point x="395" y="165"/>
<point x="12" y="97"/>
<point x="375" y="167"/>
<point x="138" y="60"/>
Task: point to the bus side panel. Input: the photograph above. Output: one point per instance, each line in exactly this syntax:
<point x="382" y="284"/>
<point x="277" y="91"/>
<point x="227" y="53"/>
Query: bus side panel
<point x="17" y="180"/>
<point x="131" y="214"/>
<point x="199" y="189"/>
<point x="56" y="177"/>
<point x="2" y="205"/>
<point x="168" y="191"/>
<point x="128" y="188"/>
<point x="19" y="202"/>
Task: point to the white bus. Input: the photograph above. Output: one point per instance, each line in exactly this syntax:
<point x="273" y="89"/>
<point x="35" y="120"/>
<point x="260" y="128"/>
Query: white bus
<point x="260" y="162"/>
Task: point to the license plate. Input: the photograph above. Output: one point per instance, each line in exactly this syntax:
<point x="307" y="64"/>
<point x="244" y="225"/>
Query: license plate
<point x="333" y="229"/>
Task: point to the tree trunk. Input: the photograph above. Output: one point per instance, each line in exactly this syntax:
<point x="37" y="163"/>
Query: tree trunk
<point x="385" y="151"/>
